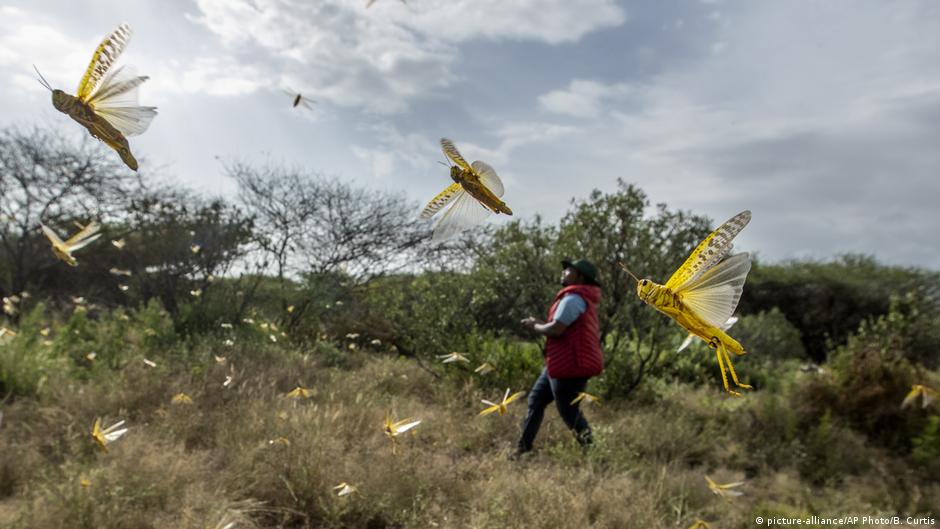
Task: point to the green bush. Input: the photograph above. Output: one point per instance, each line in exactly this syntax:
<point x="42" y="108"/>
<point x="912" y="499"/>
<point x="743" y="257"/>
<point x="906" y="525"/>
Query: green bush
<point x="827" y="301"/>
<point x="518" y="363"/>
<point x="926" y="452"/>
<point x="870" y="376"/>
<point x="27" y="360"/>
<point x="827" y="453"/>
<point x="422" y="316"/>
<point x="768" y="335"/>
<point x="770" y="429"/>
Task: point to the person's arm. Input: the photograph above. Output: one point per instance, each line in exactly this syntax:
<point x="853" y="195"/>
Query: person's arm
<point x="552" y="329"/>
<point x="568" y="310"/>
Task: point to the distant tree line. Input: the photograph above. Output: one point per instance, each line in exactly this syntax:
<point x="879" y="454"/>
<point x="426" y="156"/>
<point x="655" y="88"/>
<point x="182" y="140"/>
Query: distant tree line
<point x="294" y="243"/>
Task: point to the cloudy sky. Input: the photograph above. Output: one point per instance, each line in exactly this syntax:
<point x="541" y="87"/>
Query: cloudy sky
<point x="823" y="118"/>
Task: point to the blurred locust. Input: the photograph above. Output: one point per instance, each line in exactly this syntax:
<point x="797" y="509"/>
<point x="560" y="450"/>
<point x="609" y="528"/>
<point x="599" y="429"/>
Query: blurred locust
<point x="106" y="101"/>
<point x="702" y="294"/>
<point x="927" y="395"/>
<point x="344" y="489"/>
<point x="181" y="398"/>
<point x="501" y="406"/>
<point x="725" y="491"/>
<point x="63" y="249"/>
<point x="108" y="435"/>
<point x="475" y="193"/>
<point x="394" y="428"/>
<point x="299" y="392"/>
<point x="298" y="99"/>
<point x="485" y="368"/>
<point x="586" y="397"/>
<point x="453" y="357"/>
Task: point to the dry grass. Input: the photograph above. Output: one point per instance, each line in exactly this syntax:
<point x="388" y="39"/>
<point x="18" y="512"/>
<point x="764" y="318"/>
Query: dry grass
<point x="219" y="460"/>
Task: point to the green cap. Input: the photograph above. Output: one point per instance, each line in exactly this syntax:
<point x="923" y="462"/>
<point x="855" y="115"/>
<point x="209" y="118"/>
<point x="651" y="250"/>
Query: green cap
<point x="585" y="268"/>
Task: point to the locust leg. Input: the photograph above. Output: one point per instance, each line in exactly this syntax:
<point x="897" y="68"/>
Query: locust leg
<point x="734" y="376"/>
<point x="724" y="376"/>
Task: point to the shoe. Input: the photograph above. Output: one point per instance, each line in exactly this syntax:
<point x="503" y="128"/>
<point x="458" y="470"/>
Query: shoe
<point x="585" y="438"/>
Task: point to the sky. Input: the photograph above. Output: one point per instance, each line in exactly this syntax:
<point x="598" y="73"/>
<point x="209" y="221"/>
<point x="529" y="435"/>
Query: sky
<point x="822" y="118"/>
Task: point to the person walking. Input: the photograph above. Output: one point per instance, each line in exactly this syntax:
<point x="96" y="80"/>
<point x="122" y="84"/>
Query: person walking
<point x="572" y="353"/>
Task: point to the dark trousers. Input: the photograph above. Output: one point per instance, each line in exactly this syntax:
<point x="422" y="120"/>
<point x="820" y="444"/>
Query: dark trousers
<point x="561" y="390"/>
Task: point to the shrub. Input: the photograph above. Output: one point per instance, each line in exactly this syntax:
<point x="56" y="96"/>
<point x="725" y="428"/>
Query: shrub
<point x="827" y="301"/>
<point x="870" y="377"/>
<point x="926" y="452"/>
<point x="769" y="335"/>
<point x="829" y="452"/>
<point x="27" y="360"/>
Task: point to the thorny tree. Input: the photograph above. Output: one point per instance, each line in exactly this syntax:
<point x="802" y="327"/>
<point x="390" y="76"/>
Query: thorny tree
<point x="311" y="226"/>
<point x="46" y="178"/>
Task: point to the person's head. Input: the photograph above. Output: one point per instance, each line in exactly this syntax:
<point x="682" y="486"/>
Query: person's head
<point x="580" y="272"/>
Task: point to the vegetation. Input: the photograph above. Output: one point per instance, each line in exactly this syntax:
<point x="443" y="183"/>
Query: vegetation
<point x="236" y="304"/>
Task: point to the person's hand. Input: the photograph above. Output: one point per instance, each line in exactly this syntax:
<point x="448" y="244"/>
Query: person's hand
<point x="529" y="323"/>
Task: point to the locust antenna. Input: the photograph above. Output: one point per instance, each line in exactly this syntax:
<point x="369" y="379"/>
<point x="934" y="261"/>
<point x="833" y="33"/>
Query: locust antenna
<point x="446" y="163"/>
<point x="629" y="272"/>
<point x="42" y="80"/>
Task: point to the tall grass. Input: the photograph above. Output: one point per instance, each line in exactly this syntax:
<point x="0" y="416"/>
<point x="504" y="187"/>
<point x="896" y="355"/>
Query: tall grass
<point x="245" y="453"/>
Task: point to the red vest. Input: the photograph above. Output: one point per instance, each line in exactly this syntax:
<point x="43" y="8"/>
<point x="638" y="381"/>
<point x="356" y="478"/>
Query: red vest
<point x="577" y="352"/>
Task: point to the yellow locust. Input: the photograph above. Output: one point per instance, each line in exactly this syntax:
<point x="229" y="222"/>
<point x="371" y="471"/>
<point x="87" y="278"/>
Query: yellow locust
<point x="501" y="406"/>
<point x="703" y="293"/>
<point x="485" y="368"/>
<point x="106" y="101"/>
<point x="345" y="489"/>
<point x="108" y="435"/>
<point x="586" y="397"/>
<point x="475" y="193"/>
<point x="927" y="395"/>
<point x="394" y="428"/>
<point x="299" y="392"/>
<point x="63" y="249"/>
<point x="181" y="398"/>
<point x="453" y="357"/>
<point x="725" y="490"/>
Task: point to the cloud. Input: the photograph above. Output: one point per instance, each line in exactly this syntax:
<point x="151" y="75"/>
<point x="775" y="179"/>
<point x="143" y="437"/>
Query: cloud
<point x="513" y="136"/>
<point x="582" y="98"/>
<point x="62" y="59"/>
<point x="549" y="21"/>
<point x="826" y="133"/>
<point x="395" y="151"/>
<point x="382" y="58"/>
<point x="822" y="118"/>
<point x="27" y="39"/>
<point x="215" y="76"/>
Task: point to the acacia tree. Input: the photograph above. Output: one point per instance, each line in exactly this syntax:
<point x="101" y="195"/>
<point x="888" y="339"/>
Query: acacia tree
<point x="360" y="232"/>
<point x="46" y="178"/>
<point x="281" y="202"/>
<point x="178" y="242"/>
<point x="317" y="229"/>
<point x="309" y="224"/>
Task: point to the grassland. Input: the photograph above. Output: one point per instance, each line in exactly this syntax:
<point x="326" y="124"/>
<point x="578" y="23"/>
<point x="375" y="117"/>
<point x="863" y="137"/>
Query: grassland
<point x="246" y="454"/>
